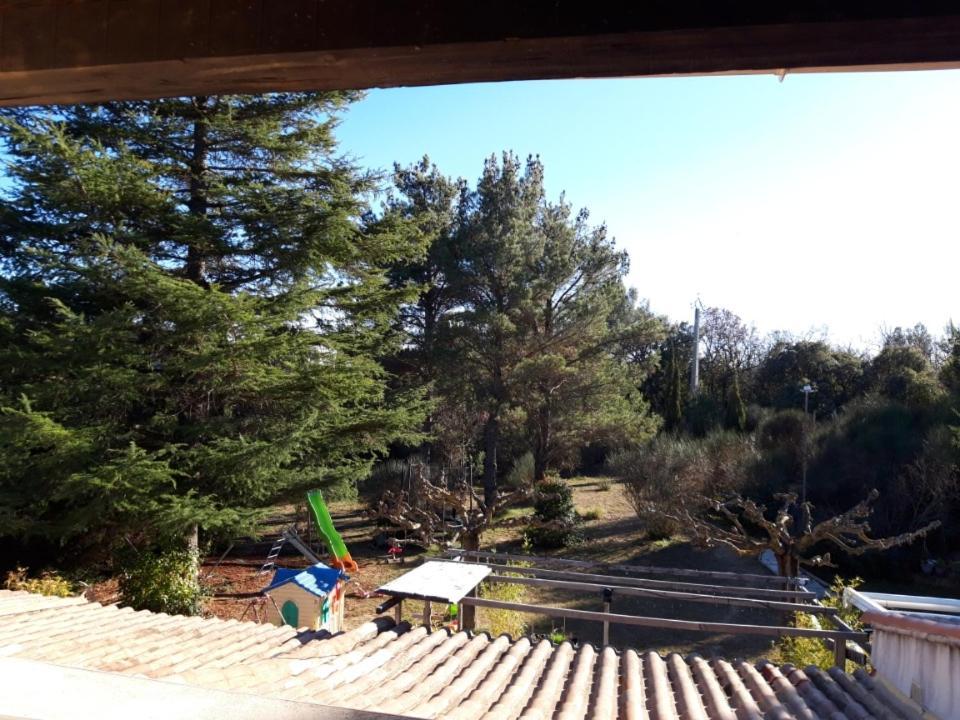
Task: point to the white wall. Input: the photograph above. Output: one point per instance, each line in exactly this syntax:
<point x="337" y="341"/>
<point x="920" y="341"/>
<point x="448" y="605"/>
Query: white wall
<point x="926" y="670"/>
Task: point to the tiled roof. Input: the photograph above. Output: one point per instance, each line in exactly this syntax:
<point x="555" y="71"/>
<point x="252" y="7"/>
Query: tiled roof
<point x="412" y="672"/>
<point x="937" y="628"/>
<point x="317" y="579"/>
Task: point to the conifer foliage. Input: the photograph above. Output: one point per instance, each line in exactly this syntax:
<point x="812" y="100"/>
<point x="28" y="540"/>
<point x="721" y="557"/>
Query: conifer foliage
<point x="525" y="330"/>
<point x="191" y="308"/>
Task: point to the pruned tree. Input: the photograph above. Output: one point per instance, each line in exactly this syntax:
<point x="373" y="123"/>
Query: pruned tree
<point x="444" y="510"/>
<point x="791" y="535"/>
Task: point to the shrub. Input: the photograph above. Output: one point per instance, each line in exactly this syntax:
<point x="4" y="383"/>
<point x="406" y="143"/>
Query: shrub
<point x="553" y="500"/>
<point x="49" y="583"/>
<point x="804" y="651"/>
<point x="671" y="471"/>
<point x="555" y="515"/>
<point x="604" y="485"/>
<point x="164" y="581"/>
<point x="591" y="514"/>
<point x="783" y="429"/>
<point x="756" y="415"/>
<point x="521" y="474"/>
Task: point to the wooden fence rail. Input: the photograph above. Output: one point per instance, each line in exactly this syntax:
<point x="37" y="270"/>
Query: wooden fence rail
<point x="764" y="593"/>
<point x="665" y="594"/>
<point x="630" y="570"/>
<point x="689" y="625"/>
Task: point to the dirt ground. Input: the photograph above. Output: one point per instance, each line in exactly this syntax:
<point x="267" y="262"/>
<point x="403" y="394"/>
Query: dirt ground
<point x="233" y="583"/>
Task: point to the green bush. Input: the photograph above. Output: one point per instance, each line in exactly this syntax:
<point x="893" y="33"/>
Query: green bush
<point x="49" y="583"/>
<point x="804" y="651"/>
<point x="164" y="581"/>
<point x="553" y="500"/>
<point x="555" y="514"/>
<point x="521" y="474"/>
<point x="591" y="514"/>
<point x="783" y="429"/>
<point x="503" y="622"/>
<point x="671" y="470"/>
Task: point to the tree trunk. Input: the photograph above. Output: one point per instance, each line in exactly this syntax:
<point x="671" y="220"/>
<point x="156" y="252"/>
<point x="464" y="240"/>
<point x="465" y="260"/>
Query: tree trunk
<point x="491" y="440"/>
<point x="196" y="263"/>
<point x="544" y="417"/>
<point x="788" y="564"/>
<point x="198" y="202"/>
<point x="542" y="445"/>
<point x="428" y="363"/>
<point x="191" y="539"/>
<point x="468" y="616"/>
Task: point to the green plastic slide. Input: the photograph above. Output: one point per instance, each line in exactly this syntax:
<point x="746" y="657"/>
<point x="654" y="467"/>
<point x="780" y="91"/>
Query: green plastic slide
<point x="321" y="516"/>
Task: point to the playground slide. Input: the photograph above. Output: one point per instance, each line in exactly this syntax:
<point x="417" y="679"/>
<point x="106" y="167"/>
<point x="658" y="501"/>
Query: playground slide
<point x="321" y="516"/>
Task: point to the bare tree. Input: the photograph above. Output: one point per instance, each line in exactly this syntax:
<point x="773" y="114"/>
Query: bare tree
<point x="748" y="531"/>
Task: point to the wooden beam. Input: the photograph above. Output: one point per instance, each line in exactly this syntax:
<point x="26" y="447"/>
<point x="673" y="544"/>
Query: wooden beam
<point x="94" y="50"/>
<point x="891" y="601"/>
<point x="641" y="621"/>
<point x="861" y="601"/>
<point x="657" y="584"/>
<point x="667" y="595"/>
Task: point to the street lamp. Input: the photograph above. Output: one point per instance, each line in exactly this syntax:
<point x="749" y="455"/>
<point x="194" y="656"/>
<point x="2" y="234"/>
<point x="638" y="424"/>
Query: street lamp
<point x="806" y="389"/>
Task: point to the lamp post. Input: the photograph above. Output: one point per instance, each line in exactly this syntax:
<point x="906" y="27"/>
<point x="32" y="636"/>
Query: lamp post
<point x="807" y="389"/>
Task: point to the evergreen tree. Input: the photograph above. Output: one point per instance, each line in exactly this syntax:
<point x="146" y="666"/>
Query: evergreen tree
<point x="667" y="368"/>
<point x="674" y="395"/>
<point x="574" y="383"/>
<point x="495" y="253"/>
<point x="431" y="205"/>
<point x="190" y="310"/>
<point x="523" y="318"/>
<point x="736" y="410"/>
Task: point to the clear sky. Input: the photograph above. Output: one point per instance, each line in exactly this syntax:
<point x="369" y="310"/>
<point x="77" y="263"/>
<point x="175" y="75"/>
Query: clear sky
<point x="823" y="201"/>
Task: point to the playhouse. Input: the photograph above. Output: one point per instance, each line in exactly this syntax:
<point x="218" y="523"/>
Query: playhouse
<point x="307" y="598"/>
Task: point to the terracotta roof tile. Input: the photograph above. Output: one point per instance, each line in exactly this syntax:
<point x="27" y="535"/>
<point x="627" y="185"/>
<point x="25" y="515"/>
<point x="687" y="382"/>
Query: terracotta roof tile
<point x="910" y="624"/>
<point x="410" y="671"/>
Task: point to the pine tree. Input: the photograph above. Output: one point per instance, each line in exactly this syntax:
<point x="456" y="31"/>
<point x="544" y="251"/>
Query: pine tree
<point x="523" y="318"/>
<point x="191" y="308"/>
<point x="493" y="273"/>
<point x="573" y="383"/>
<point x="431" y="205"/>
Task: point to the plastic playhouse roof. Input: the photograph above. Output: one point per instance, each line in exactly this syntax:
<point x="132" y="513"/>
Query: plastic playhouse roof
<point x="317" y="579"/>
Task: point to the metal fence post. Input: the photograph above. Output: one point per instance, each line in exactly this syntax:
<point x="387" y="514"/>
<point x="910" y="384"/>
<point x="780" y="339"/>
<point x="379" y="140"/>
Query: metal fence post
<point x="607" y="602"/>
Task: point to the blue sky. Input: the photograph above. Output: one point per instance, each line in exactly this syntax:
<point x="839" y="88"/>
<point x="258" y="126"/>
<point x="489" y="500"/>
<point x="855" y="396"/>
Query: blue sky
<point x="823" y="201"/>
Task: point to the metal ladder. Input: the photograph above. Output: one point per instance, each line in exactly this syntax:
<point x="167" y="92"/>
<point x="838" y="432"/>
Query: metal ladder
<point x="271" y="562"/>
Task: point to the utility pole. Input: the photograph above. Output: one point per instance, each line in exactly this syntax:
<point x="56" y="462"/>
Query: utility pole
<point x="695" y="367"/>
